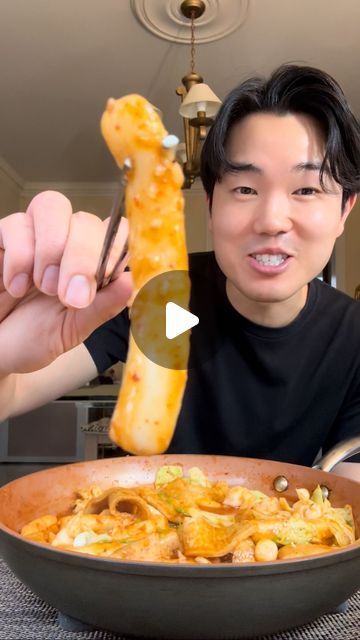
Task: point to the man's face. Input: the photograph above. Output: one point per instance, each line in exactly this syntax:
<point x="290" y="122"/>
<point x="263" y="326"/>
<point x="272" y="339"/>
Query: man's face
<point x="273" y="225"/>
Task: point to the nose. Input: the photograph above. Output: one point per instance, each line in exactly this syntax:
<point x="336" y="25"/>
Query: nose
<point x="273" y="215"/>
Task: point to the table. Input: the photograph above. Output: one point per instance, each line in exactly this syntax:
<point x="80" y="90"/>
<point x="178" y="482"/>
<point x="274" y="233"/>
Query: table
<point x="23" y="616"/>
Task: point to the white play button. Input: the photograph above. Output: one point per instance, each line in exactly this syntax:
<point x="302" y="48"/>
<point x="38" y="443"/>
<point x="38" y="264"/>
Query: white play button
<point x="178" y="320"/>
<point x="160" y="321"/>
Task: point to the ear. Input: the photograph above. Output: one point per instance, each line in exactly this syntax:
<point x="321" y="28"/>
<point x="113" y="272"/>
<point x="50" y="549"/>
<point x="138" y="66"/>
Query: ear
<point x="344" y="214"/>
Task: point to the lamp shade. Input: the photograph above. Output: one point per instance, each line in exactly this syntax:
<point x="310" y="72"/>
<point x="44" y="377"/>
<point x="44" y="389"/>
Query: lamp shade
<point x="199" y="98"/>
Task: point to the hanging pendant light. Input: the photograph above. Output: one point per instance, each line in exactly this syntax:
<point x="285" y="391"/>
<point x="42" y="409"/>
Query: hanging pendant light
<point x="199" y="104"/>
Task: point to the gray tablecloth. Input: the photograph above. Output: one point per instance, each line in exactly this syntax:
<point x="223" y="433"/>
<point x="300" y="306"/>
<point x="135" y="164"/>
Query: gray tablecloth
<point x="23" y="616"/>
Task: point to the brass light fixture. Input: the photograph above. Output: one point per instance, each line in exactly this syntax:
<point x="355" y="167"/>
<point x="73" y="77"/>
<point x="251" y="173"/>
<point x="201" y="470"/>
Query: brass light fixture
<point x="199" y="104"/>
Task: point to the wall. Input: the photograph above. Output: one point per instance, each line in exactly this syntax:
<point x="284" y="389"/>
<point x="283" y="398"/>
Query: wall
<point x="10" y="189"/>
<point x="352" y="250"/>
<point x="340" y="262"/>
<point x="196" y="217"/>
<point x="97" y="198"/>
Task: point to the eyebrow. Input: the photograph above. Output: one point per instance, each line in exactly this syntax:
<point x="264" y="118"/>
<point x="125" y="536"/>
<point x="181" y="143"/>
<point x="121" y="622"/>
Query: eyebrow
<point x="242" y="167"/>
<point x="307" y="166"/>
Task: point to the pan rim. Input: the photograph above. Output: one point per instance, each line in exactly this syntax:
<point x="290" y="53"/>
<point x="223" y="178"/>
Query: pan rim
<point x="182" y="459"/>
<point x="179" y="569"/>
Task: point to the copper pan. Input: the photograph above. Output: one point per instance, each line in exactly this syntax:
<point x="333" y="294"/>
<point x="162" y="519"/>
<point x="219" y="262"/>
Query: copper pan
<point x="187" y="602"/>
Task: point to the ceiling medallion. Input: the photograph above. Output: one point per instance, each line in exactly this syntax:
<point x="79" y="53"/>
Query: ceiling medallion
<point x="164" y="19"/>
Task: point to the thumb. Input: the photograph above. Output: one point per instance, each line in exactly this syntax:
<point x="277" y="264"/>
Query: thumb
<point x="107" y="303"/>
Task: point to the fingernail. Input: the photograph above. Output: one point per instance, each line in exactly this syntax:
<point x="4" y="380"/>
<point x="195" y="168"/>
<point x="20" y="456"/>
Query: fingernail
<point x="19" y="285"/>
<point x="50" y="280"/>
<point x="78" y="292"/>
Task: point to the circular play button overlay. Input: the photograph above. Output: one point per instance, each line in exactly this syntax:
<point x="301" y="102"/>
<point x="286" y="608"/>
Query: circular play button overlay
<point x="161" y="320"/>
<point x="172" y="330"/>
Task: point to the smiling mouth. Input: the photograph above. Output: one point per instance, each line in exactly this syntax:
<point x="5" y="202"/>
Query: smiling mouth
<point x="270" y="260"/>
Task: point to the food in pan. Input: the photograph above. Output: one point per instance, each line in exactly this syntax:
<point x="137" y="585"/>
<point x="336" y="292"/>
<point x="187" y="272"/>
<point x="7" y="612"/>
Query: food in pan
<point x="189" y="519"/>
<point x="150" y="396"/>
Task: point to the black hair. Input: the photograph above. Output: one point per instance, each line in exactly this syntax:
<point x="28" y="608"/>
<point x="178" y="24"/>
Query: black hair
<point x="290" y="89"/>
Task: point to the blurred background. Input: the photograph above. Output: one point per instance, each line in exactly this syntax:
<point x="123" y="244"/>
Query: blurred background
<point x="61" y="60"/>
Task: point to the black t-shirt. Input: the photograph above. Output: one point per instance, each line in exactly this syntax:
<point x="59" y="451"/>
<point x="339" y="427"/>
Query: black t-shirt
<point x="274" y="393"/>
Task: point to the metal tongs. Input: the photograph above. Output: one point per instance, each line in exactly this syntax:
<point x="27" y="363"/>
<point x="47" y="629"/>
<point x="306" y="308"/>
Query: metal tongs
<point x="117" y="212"/>
<point x="169" y="142"/>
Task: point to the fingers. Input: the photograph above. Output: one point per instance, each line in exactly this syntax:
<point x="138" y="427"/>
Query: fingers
<point x="77" y="284"/>
<point x="77" y="280"/>
<point x="107" y="304"/>
<point x="51" y="214"/>
<point x="18" y="242"/>
<point x="56" y="250"/>
<point x="33" y="242"/>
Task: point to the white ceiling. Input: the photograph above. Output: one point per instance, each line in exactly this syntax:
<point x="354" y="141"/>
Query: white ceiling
<point x="61" y="59"/>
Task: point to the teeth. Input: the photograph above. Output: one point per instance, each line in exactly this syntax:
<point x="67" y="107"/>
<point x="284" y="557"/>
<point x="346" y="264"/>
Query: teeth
<point x="270" y="259"/>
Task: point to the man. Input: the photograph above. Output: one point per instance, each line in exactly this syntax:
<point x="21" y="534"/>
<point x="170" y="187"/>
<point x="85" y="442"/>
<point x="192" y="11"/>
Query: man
<point x="281" y="170"/>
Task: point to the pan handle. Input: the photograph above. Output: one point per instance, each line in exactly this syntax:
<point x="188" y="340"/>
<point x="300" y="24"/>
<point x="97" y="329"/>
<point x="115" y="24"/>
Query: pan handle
<point x="339" y="453"/>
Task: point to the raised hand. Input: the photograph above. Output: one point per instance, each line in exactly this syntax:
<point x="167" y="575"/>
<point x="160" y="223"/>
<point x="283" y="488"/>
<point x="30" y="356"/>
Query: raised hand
<point x="49" y="301"/>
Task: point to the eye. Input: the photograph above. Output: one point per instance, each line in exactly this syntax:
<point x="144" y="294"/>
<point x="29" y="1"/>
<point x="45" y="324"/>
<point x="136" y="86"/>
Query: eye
<point x="245" y="191"/>
<point x="307" y="191"/>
